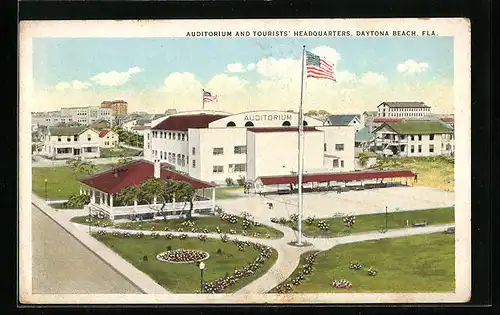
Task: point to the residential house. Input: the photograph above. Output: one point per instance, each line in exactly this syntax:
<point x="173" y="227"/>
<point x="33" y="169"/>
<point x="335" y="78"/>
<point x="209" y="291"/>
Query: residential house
<point x="345" y="120"/>
<point x="108" y="138"/>
<point x="414" y="138"/>
<point x="71" y="142"/>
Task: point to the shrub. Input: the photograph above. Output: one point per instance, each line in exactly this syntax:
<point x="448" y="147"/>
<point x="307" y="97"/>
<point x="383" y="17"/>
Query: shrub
<point x="219" y="251"/>
<point x="77" y="201"/>
<point x="294" y="217"/>
<point x="145" y="258"/>
<point x="309" y="220"/>
<point x="169" y="247"/>
<point x="241" y="180"/>
<point x="229" y="181"/>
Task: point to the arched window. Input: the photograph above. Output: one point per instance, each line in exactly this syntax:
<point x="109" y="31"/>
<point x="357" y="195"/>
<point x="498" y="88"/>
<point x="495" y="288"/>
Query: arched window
<point x="231" y="124"/>
<point x="304" y="123"/>
<point x="249" y="124"/>
<point x="286" y="123"/>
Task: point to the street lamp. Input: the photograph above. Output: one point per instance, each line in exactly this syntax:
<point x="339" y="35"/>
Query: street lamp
<point x="202" y="266"/>
<point x="46" y="190"/>
<point x="386" y="218"/>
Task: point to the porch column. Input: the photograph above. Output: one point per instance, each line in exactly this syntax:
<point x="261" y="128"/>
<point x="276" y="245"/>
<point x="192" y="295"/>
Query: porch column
<point x="100" y="198"/>
<point x="81" y="192"/>
<point x="111" y="215"/>
<point x="154" y="200"/>
<point x="92" y="198"/>
<point x="213" y="199"/>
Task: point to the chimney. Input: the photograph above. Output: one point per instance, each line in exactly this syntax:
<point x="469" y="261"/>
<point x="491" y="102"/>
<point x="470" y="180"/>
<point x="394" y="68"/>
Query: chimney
<point x="157" y="168"/>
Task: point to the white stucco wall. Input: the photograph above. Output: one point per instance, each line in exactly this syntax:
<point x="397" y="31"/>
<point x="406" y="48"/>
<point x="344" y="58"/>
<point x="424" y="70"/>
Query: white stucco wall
<point x="339" y="135"/>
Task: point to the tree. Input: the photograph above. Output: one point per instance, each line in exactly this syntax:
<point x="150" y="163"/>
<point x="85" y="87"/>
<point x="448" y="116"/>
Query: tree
<point x="86" y="167"/>
<point x="181" y="191"/>
<point x="323" y="112"/>
<point x="151" y="188"/>
<point x="312" y="113"/>
<point x="129" y="195"/>
<point x="122" y="160"/>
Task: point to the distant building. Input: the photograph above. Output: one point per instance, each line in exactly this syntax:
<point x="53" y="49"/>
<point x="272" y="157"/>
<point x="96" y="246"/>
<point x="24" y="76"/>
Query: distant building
<point x="362" y="140"/>
<point x="108" y="138"/>
<point x="71" y="142"/>
<point x="414" y="138"/>
<point x="119" y="107"/>
<point x="403" y="109"/>
<point x="345" y="120"/>
<point x="171" y="111"/>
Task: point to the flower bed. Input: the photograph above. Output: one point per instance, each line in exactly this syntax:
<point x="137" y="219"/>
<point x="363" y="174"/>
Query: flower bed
<point x="220" y="285"/>
<point x="183" y="256"/>
<point x="306" y="270"/>
<point x="341" y="284"/>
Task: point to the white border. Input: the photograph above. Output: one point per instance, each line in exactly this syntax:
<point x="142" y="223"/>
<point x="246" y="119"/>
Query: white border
<point x="459" y="29"/>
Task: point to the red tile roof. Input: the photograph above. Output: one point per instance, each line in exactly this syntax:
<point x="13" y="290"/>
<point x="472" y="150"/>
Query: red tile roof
<point x="386" y="119"/>
<point x="184" y="122"/>
<point x="132" y="174"/>
<point x="281" y="129"/>
<point x="334" y="177"/>
<point x="103" y="133"/>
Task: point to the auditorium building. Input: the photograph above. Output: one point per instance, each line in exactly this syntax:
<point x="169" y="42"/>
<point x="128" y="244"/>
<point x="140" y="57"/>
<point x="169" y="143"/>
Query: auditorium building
<point x="213" y="146"/>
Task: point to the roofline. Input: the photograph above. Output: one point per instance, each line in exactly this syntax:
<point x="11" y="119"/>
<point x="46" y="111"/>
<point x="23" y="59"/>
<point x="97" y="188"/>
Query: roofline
<point x="333" y="173"/>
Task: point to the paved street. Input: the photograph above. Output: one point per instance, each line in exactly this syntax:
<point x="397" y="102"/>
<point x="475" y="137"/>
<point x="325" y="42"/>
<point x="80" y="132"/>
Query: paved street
<point x="62" y="265"/>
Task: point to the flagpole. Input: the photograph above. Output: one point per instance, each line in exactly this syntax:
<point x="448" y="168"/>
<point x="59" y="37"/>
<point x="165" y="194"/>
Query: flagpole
<point x="203" y="100"/>
<point x="300" y="144"/>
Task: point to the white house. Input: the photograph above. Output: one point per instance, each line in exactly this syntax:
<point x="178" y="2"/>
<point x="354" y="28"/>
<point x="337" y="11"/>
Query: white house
<point x="414" y="138"/>
<point x="213" y="146"/>
<point x="345" y="120"/>
<point x="71" y="142"/>
<point x="108" y="138"/>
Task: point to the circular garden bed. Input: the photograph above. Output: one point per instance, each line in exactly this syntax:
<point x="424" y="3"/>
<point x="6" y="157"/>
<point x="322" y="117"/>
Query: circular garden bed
<point x="183" y="256"/>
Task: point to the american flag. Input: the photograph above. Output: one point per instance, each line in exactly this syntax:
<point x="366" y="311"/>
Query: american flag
<point x="208" y="97"/>
<point x="318" y="68"/>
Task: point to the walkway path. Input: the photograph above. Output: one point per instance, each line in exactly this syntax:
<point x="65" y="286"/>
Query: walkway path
<point x="43" y="162"/>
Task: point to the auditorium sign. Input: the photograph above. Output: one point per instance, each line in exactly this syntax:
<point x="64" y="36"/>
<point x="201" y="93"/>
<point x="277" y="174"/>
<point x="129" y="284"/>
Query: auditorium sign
<point x="268" y="117"/>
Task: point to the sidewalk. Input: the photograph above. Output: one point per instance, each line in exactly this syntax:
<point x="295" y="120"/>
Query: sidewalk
<point x="141" y="280"/>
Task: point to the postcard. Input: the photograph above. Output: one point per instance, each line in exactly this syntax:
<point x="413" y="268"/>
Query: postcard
<point x="245" y="161"/>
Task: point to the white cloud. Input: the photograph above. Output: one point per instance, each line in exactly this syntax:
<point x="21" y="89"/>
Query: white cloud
<point x="250" y="66"/>
<point x="372" y="78"/>
<point x="412" y="66"/>
<point x="115" y="78"/>
<point x="328" y="53"/>
<point x="278" y="68"/>
<point x="75" y="84"/>
<point x="225" y="84"/>
<point x="345" y="76"/>
<point x="235" y="67"/>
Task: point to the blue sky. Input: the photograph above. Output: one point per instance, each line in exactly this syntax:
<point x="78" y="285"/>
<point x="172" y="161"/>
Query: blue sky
<point x="66" y="59"/>
<point x="154" y="74"/>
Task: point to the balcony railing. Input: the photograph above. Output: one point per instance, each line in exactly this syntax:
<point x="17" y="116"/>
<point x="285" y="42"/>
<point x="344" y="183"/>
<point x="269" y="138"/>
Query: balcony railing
<point x="391" y="141"/>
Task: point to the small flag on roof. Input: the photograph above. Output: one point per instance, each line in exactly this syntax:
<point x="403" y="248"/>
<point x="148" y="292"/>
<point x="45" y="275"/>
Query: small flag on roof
<point x="208" y="97"/>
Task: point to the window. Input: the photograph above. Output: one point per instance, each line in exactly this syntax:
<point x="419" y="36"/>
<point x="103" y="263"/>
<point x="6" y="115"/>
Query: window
<point x="240" y="149"/>
<point x="178" y="158"/>
<point x="183" y="161"/>
<point x="231" y="124"/>
<point x="412" y="149"/>
<point x="75" y="138"/>
<point x="412" y="137"/>
<point x="419" y="137"/>
<point x="286" y="123"/>
<point x="63" y="150"/>
<point x="161" y="135"/>
<point x="148" y="136"/>
<point x="419" y="148"/>
<point x="178" y="136"/>
<point x="90" y="149"/>
<point x="304" y="123"/>
<point x="169" y="136"/>
<point x="233" y="168"/>
<point x="249" y="124"/>
<point x="448" y="147"/>
<point x="431" y="148"/>
<point x="218" y="151"/>
<point x="161" y="155"/>
<point x="89" y="138"/>
<point x="341" y="163"/>
<point x="324" y="147"/>
<point x="218" y="169"/>
<point x="335" y="163"/>
<point x="339" y="147"/>
<point x="68" y="139"/>
<point x="194" y="163"/>
<point x="183" y="136"/>
<point x="193" y="151"/>
<point x="59" y="139"/>
<point x="431" y="137"/>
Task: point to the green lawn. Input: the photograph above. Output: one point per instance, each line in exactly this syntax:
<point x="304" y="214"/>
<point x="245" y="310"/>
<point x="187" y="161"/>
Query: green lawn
<point x="185" y="278"/>
<point x="119" y="152"/>
<point x="61" y="181"/>
<point x="436" y="172"/>
<point x="220" y="193"/>
<point x="208" y="222"/>
<point x="420" y="263"/>
<point x="374" y="222"/>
